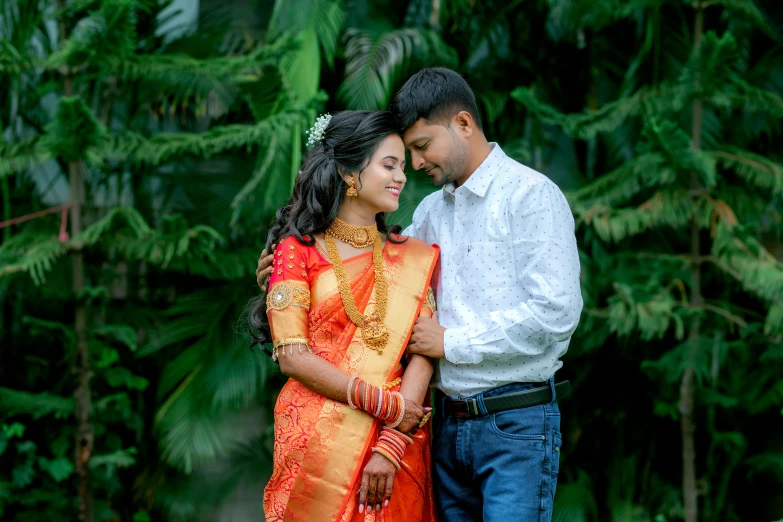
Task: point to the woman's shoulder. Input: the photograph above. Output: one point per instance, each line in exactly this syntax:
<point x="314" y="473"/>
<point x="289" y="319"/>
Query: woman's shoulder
<point x="292" y="244"/>
<point x="413" y="242"/>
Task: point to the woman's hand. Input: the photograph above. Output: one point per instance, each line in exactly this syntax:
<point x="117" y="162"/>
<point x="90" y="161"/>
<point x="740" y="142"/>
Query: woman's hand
<point x="264" y="267"/>
<point x="412" y="418"/>
<point x="377" y="483"/>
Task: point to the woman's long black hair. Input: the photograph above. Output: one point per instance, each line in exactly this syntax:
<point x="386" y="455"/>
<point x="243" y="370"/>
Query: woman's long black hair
<point x="348" y="144"/>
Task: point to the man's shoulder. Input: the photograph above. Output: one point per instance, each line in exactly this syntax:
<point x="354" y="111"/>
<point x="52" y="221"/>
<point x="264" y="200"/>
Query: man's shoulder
<point x="431" y="200"/>
<point x="520" y="176"/>
<point x="429" y="203"/>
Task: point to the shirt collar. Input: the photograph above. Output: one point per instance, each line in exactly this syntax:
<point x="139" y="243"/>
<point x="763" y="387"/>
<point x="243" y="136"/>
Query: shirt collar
<point x="479" y="181"/>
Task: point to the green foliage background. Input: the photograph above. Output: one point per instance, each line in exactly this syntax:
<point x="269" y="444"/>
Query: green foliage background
<point x="660" y="119"/>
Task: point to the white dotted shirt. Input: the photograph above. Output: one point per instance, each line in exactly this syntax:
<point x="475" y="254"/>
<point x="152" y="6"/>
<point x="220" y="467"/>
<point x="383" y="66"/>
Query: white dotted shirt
<point x="507" y="286"/>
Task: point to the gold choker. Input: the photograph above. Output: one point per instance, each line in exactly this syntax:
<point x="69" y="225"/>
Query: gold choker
<point x="357" y="237"/>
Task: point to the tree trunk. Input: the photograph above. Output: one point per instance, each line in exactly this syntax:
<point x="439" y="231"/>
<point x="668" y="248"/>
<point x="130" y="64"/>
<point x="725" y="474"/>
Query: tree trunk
<point x="435" y="14"/>
<point x="687" y="400"/>
<point x="81" y="362"/>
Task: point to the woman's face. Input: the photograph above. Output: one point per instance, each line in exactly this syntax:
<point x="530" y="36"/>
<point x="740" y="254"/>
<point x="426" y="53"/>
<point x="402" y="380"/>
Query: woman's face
<point x="381" y="183"/>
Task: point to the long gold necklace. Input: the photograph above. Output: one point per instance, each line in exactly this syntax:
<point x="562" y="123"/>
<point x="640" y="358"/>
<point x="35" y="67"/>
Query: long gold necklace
<point x="356" y="236"/>
<point x="374" y="332"/>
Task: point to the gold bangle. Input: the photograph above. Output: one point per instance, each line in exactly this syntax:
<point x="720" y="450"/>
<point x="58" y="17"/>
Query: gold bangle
<point x="348" y="393"/>
<point x="388" y="455"/>
<point x="291" y="340"/>
<point x="424" y="420"/>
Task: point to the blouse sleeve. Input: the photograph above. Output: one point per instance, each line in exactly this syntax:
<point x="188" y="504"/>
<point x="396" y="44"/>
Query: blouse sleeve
<point x="288" y="300"/>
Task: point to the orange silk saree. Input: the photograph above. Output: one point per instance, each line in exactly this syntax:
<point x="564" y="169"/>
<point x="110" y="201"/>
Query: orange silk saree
<point x="321" y="445"/>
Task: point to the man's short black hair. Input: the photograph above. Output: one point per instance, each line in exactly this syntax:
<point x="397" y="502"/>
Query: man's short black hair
<point x="435" y="94"/>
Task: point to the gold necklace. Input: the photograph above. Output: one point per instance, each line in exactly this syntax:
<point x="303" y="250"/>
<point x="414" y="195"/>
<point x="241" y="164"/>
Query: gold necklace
<point x="374" y="332"/>
<point x="356" y="236"/>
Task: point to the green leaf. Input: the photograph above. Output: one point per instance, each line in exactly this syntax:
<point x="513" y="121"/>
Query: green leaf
<point x="118" y="459"/>
<point x="40" y="327"/>
<point x="119" y="376"/>
<point x="122" y="333"/>
<point x="59" y="469"/>
<point x="103" y="356"/>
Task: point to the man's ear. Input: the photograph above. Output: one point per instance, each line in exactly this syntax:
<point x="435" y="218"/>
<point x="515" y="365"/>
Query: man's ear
<point x="464" y="123"/>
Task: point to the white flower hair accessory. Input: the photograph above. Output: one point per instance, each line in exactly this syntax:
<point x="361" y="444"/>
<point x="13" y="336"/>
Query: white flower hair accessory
<point x="316" y="133"/>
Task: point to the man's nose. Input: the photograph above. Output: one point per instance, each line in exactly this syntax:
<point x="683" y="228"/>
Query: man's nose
<point x="417" y="161"/>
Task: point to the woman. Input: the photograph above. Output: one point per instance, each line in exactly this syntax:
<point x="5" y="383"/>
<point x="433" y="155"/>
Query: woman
<point x="343" y="298"/>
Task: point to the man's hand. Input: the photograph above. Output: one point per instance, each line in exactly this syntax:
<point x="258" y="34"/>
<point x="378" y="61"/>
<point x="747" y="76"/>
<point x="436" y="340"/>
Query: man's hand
<point x="412" y="418"/>
<point x="427" y="338"/>
<point x="265" y="267"/>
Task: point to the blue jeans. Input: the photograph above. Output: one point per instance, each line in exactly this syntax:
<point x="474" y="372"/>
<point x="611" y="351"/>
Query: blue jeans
<point x="498" y="467"/>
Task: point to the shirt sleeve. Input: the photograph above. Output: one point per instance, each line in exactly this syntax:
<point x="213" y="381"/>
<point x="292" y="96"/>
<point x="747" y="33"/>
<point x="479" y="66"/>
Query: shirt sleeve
<point x="288" y="300"/>
<point x="546" y="262"/>
<point x="417" y="228"/>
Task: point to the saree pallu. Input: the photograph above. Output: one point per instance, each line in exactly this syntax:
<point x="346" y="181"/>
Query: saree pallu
<point x="321" y="445"/>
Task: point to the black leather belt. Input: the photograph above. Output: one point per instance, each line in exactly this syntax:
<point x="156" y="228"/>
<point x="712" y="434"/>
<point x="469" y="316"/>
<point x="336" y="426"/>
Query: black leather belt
<point x="469" y="407"/>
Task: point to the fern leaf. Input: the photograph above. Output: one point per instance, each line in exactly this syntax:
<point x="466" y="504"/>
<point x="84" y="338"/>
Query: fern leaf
<point x="660" y="100"/>
<point x="164" y="146"/>
<point x="754" y="169"/>
<point x="673" y="209"/>
<point x="74" y="133"/>
<point x="643" y="172"/>
<point x="14" y="402"/>
<point x="23" y="155"/>
<point x="753" y="266"/>
<point x="31" y="253"/>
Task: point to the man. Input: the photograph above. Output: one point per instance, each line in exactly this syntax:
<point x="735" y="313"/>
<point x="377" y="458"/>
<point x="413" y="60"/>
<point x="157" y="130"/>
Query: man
<point x="508" y="302"/>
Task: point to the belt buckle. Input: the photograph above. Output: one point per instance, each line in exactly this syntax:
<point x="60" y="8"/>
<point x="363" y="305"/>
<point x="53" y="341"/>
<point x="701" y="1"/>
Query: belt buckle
<point x="472" y="406"/>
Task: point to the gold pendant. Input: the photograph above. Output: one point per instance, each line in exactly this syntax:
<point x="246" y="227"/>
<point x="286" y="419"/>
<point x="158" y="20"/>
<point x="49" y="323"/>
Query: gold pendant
<point x="375" y="334"/>
<point x="361" y="236"/>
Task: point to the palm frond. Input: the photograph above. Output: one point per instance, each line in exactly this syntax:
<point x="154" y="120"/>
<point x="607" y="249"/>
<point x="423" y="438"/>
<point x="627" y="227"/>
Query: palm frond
<point x="108" y="31"/>
<point x="748" y="10"/>
<point x="377" y="63"/>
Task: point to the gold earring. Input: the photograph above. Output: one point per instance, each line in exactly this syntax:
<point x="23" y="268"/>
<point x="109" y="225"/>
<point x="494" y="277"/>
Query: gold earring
<point x="352" y="192"/>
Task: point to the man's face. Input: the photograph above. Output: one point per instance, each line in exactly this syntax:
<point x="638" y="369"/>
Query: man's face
<point x="438" y="150"/>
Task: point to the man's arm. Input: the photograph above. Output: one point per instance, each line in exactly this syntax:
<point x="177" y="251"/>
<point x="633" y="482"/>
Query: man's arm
<point x="546" y="262"/>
